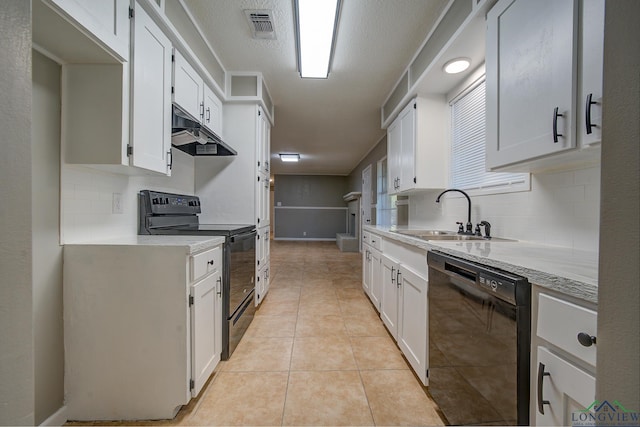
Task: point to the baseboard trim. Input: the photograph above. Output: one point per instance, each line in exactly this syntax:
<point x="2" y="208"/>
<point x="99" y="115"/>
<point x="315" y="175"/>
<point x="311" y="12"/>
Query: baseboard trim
<point x="57" y="419"/>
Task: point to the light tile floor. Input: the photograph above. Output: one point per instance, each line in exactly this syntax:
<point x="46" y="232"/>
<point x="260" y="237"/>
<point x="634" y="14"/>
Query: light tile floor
<point x="316" y="354"/>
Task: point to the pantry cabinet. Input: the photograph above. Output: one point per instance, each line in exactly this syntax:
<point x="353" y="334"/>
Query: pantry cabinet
<point x="543" y="60"/>
<point x="416" y="153"/>
<point x="564" y="365"/>
<point x="194" y="96"/>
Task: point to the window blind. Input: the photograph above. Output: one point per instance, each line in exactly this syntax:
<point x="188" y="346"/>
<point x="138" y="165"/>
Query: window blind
<point x="468" y="169"/>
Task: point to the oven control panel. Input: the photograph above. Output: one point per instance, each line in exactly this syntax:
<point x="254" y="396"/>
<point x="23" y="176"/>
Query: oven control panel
<point x="155" y="202"/>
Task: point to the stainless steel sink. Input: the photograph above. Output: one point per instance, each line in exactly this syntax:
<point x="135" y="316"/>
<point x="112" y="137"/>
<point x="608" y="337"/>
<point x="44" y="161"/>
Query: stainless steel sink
<point x="448" y="235"/>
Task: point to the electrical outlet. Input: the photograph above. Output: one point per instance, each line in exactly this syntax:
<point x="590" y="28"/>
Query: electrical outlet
<point x="116" y="203"/>
<point x="304" y="233"/>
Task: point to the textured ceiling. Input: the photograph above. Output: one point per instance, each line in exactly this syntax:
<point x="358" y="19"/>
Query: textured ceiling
<point x="332" y="123"/>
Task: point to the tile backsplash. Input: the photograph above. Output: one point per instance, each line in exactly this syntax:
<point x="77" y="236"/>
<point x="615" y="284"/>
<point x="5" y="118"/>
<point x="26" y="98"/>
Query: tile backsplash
<point x="562" y="209"/>
<point x="87" y="198"/>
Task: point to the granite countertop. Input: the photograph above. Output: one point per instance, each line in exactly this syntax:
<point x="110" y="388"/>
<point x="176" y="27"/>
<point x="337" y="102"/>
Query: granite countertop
<point x="193" y="244"/>
<point x="569" y="271"/>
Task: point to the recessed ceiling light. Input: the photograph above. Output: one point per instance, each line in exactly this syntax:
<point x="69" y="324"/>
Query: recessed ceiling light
<point x="290" y="157"/>
<point x="316" y="23"/>
<point x="457" y="65"/>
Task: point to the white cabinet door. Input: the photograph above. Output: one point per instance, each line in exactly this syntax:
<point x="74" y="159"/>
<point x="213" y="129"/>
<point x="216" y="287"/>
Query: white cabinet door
<point x="589" y="109"/>
<point x="203" y="331"/>
<point x="567" y="389"/>
<point x="107" y="21"/>
<point x="263" y="132"/>
<point x="366" y="269"/>
<point x="212" y="118"/>
<point x="375" y="287"/>
<point x="188" y="87"/>
<point x="389" y="307"/>
<point x="531" y="66"/>
<point x="394" y="147"/>
<point x="408" y="147"/>
<point x="412" y="322"/>
<point x="151" y="96"/>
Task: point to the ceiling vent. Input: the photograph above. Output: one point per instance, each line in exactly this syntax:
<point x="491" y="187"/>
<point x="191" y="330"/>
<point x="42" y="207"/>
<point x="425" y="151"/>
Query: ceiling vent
<point x="261" y="24"/>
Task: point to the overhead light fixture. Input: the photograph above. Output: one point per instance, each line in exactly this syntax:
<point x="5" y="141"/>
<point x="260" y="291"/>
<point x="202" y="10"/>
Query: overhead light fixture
<point x="290" y="157"/>
<point x="316" y="28"/>
<point x="457" y="65"/>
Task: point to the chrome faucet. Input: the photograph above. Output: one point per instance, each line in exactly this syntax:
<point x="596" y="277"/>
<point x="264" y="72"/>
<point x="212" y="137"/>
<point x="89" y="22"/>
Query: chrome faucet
<point x="469" y="225"/>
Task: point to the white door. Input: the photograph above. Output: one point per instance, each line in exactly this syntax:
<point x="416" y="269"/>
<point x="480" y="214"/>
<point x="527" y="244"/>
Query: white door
<point x="389" y="310"/>
<point x="365" y="200"/>
<point x="531" y="75"/>
<point x="412" y="323"/>
<point x="151" y="96"/>
<point x="203" y="327"/>
<point x="567" y="389"/>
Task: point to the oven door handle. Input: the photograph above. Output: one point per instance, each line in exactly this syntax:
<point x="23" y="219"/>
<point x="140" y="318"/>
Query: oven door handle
<point x="241" y="237"/>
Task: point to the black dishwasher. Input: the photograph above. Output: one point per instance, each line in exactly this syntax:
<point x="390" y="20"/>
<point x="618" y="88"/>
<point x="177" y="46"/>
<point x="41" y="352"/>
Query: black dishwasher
<point x="479" y="342"/>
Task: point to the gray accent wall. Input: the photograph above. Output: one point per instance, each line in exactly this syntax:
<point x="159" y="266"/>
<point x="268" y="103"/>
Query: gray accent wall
<point x="618" y="375"/>
<point x="309" y="207"/>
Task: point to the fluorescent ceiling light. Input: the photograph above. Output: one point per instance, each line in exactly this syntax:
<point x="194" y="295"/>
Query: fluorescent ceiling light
<point x="457" y="65"/>
<point x="316" y="24"/>
<point x="289" y="157"/>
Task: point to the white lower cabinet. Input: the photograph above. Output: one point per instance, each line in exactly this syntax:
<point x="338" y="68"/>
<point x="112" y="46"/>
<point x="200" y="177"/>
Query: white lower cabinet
<point x="564" y="390"/>
<point x="412" y="319"/>
<point x="375" y="287"/>
<point x="395" y="278"/>
<point x="143" y="327"/>
<point x="262" y="263"/>
<point x="563" y="361"/>
<point x="206" y="313"/>
<point x="389" y="305"/>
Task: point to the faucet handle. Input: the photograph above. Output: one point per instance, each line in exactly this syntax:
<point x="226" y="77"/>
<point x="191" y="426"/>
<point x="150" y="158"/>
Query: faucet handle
<point x="477" y="232"/>
<point x="460" y="227"/>
<point x="487" y="228"/>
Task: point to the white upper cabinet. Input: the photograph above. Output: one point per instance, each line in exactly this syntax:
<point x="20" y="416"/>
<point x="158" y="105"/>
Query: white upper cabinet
<point x="106" y="21"/>
<point x="543" y="59"/>
<point x="151" y="95"/>
<point x="416" y="148"/>
<point x="188" y="87"/>
<point x="591" y="62"/>
<point x="531" y="79"/>
<point x="192" y="94"/>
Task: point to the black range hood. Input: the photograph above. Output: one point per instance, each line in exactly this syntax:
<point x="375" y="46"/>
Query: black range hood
<point x="190" y="136"/>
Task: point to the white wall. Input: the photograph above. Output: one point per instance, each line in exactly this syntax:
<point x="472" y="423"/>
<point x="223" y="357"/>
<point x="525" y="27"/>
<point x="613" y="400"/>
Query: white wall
<point x="562" y="209"/>
<point x="47" y="251"/>
<point x="619" y="294"/>
<point x="86" y="211"/>
<point x="16" y="303"/>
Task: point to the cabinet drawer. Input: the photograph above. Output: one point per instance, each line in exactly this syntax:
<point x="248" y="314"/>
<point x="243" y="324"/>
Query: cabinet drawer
<point x="205" y="263"/>
<point x="560" y="322"/>
<point x="375" y="241"/>
<point x="366" y="237"/>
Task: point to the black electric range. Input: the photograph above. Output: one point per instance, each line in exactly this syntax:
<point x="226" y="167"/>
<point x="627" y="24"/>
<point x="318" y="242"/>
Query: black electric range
<point x="162" y="213"/>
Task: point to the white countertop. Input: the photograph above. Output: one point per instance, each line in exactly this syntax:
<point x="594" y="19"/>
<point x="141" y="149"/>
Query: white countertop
<point x="192" y="243"/>
<point x="569" y="271"/>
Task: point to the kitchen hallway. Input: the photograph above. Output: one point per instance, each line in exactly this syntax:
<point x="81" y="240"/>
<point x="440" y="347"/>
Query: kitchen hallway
<point x="316" y="353"/>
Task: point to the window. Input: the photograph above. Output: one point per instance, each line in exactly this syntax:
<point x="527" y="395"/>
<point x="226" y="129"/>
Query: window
<point x="468" y="170"/>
